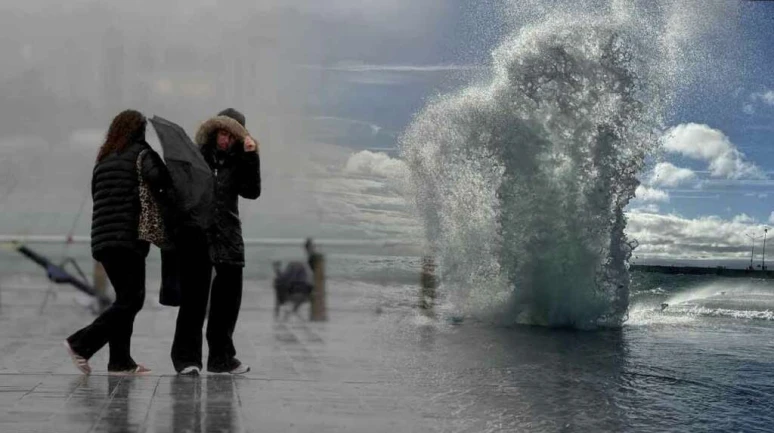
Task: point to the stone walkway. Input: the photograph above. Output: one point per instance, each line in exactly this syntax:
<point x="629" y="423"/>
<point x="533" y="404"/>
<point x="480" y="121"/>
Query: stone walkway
<point x="355" y="372"/>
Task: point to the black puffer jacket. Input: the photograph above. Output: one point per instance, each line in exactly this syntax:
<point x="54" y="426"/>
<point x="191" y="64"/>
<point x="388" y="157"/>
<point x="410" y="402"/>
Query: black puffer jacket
<point x="237" y="173"/>
<point x="115" y="193"/>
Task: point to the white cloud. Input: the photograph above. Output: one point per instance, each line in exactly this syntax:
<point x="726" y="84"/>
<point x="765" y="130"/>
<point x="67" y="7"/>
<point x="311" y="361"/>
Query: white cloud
<point x="667" y="175"/>
<point x="312" y="193"/>
<point x="756" y="194"/>
<point x="743" y="218"/>
<point x="672" y="236"/>
<point x="649" y="208"/>
<point x="645" y="194"/>
<point x="766" y="97"/>
<point x="703" y="143"/>
<point x="771" y="218"/>
<point x="375" y="164"/>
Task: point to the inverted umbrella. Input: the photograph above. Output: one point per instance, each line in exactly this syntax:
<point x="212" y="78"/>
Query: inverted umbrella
<point x="191" y="176"/>
<point x="59" y="275"/>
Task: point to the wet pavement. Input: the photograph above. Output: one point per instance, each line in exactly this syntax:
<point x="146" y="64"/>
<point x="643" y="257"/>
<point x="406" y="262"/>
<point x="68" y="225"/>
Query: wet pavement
<point x="378" y="365"/>
<point x="341" y="375"/>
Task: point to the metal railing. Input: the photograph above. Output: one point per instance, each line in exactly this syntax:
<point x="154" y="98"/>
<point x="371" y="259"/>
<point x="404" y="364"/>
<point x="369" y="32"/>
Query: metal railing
<point x="318" y="299"/>
<point x="267" y="242"/>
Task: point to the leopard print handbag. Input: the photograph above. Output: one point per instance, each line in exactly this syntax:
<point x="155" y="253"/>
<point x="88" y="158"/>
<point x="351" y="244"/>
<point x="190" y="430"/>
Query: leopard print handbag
<point x="151" y="226"/>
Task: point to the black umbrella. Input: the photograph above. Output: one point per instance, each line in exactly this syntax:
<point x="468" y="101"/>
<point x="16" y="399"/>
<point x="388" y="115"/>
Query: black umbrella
<point x="191" y="176"/>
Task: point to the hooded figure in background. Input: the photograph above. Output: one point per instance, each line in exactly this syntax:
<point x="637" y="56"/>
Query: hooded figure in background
<point x="232" y="155"/>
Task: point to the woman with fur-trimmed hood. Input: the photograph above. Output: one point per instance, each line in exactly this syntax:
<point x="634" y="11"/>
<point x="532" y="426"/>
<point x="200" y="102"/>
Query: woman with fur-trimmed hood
<point x="232" y="154"/>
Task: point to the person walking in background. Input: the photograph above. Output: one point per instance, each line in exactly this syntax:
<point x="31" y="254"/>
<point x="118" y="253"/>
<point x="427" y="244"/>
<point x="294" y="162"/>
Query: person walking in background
<point x="232" y="154"/>
<point x="128" y="177"/>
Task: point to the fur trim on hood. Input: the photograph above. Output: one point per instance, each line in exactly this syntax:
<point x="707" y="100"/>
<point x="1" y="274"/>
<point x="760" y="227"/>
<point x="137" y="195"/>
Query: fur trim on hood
<point x="220" y="122"/>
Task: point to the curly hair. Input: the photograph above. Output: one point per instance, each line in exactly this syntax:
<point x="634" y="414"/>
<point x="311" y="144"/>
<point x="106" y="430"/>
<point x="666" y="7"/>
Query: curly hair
<point x="126" y="127"/>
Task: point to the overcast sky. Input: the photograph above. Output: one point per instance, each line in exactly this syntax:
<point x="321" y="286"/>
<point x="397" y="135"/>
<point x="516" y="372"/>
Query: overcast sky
<point x="322" y="82"/>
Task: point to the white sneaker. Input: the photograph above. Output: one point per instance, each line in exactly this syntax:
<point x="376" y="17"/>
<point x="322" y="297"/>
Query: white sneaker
<point x="233" y="366"/>
<point x="190" y="371"/>
<point x="241" y="369"/>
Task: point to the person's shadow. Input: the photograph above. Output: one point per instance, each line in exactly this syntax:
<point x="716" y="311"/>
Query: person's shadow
<point x="186" y="395"/>
<point x="221" y="411"/>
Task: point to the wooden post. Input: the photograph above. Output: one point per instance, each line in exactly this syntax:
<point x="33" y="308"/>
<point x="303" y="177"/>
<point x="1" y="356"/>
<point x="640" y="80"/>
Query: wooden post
<point x="318" y="311"/>
<point x="428" y="284"/>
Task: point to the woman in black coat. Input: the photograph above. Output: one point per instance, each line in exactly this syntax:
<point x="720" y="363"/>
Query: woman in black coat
<point x="232" y="155"/>
<point x="115" y="189"/>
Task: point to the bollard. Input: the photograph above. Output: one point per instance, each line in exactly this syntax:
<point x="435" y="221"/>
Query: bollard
<point x="428" y="284"/>
<point x="317" y="308"/>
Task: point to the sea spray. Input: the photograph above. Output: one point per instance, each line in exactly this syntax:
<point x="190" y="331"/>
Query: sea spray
<point x="522" y="181"/>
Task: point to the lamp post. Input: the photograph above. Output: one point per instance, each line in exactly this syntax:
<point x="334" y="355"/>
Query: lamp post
<point x="752" y="251"/>
<point x="763" y="259"/>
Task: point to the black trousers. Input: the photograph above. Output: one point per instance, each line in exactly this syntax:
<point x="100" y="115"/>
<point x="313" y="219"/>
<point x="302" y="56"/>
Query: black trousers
<point x="126" y="271"/>
<point x="225" y="298"/>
